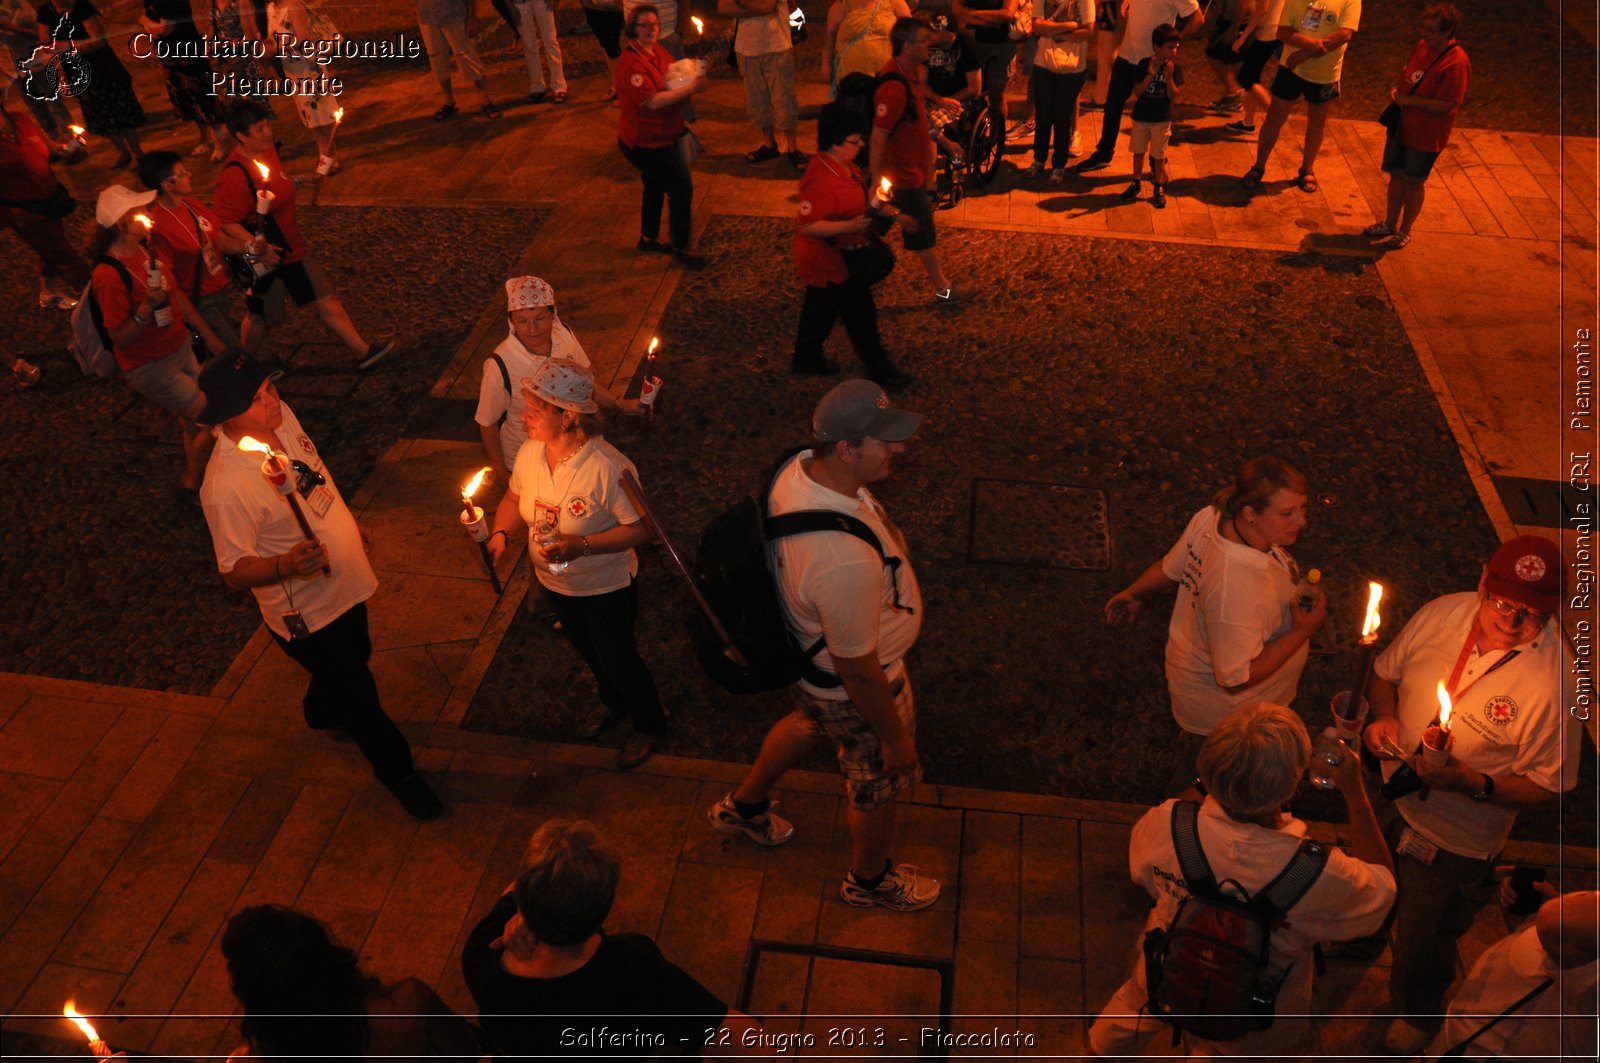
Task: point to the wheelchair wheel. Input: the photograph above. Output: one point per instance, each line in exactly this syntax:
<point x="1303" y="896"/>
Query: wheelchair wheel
<point x="984" y="148"/>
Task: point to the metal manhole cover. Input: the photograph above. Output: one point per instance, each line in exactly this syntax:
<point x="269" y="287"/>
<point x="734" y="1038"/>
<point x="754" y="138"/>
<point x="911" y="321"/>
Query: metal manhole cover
<point x="1024" y="522"/>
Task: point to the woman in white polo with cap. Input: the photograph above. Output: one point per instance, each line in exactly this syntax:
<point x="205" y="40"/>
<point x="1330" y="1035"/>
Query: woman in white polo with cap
<point x="146" y="324"/>
<point x="536" y="335"/>
<point x="582" y="530"/>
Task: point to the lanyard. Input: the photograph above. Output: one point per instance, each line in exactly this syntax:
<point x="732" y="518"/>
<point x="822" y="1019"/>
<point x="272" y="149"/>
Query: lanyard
<point x="1461" y="662"/>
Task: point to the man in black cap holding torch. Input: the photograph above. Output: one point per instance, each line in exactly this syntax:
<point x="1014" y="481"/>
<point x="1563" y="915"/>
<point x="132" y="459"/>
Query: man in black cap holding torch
<point x="281" y="529"/>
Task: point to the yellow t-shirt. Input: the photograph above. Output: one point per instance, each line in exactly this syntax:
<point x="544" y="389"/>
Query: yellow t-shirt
<point x="1320" y="19"/>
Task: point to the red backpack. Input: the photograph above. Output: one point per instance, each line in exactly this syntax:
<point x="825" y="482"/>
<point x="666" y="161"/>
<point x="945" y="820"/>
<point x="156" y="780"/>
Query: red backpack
<point x="1207" y="973"/>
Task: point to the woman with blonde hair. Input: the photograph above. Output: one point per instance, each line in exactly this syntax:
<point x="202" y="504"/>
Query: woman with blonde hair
<point x="1239" y="633"/>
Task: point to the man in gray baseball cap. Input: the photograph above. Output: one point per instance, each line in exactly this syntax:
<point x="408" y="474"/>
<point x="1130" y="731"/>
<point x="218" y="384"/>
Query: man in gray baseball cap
<point x="857" y="600"/>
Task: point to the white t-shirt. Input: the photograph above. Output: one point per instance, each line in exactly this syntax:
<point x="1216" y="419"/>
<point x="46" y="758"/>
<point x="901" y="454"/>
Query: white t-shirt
<point x="249" y="518"/>
<point x="1507" y="971"/>
<point x="585" y="491"/>
<point x="763" y="34"/>
<point x="1349" y="899"/>
<point x="493" y="399"/>
<point x="1064" y="55"/>
<point x="1232" y="600"/>
<point x="834" y="585"/>
<point x="1507" y="719"/>
<point x="1143" y="17"/>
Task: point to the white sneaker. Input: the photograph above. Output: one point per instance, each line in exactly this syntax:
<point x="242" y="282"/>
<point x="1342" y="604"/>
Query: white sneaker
<point x="765" y="829"/>
<point x="1075" y="148"/>
<point x="902" y="890"/>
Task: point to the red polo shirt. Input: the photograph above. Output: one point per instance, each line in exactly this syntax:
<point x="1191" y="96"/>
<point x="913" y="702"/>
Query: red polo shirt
<point x="905" y="117"/>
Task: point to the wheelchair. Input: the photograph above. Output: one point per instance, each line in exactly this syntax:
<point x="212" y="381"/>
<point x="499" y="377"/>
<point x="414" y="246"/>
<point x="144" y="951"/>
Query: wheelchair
<point x="982" y="142"/>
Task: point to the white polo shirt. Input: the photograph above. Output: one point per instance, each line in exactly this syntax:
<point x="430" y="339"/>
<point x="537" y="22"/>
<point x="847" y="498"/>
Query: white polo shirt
<point x="586" y="492"/>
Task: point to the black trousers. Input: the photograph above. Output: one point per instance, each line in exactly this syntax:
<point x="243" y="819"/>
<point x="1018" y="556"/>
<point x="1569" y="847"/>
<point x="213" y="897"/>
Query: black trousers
<point x="344" y="694"/>
<point x="1124" y="75"/>
<point x="1055" y="98"/>
<point x="600" y="628"/>
<point x="823" y="307"/>
<point x="665" y="177"/>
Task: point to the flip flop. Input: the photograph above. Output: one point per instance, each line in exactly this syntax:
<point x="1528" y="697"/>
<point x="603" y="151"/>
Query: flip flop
<point x="762" y="154"/>
<point x="491" y="111"/>
<point x="1252" y="177"/>
<point x="1308" y="181"/>
<point x="558" y="97"/>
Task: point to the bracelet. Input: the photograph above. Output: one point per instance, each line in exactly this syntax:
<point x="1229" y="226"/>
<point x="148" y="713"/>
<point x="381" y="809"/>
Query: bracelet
<point x="499" y="531"/>
<point x="587" y="550"/>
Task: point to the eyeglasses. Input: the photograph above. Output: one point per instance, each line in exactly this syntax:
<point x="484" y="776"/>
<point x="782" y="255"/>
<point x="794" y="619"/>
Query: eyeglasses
<point x="1518" y="614"/>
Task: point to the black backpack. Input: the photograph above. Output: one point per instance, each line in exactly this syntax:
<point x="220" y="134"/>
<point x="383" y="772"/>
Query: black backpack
<point x="1208" y="973"/>
<point x="857" y="92"/>
<point x="731" y="571"/>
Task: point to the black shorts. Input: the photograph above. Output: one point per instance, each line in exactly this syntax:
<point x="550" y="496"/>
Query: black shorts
<point x="1413" y="164"/>
<point x="1291" y="86"/>
<point x="302" y="281"/>
<point x="1219" y="46"/>
<point x="1105" y="16"/>
<point x="1256" y="58"/>
<point x="916" y="203"/>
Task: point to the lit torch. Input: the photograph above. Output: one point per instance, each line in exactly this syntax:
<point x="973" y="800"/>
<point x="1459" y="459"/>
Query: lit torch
<point x="263" y="194"/>
<point x="100" y="1049"/>
<point x="1348" y="709"/>
<point x="476" y="527"/>
<point x="325" y="160"/>
<point x="149" y="226"/>
<point x="77" y="132"/>
<point x="1436" y="740"/>
<point x="275" y="470"/>
<point x="650" y="386"/>
<point x="883" y="193"/>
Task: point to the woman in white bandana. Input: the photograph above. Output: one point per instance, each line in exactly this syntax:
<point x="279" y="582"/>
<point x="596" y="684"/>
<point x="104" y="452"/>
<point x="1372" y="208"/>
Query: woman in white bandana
<point x="536" y="335"/>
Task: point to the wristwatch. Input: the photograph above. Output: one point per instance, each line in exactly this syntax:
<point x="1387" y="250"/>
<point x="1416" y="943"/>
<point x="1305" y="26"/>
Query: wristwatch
<point x="1487" y="790"/>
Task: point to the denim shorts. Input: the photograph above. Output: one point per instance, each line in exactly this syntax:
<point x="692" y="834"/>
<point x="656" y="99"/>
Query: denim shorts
<point x="173" y="382"/>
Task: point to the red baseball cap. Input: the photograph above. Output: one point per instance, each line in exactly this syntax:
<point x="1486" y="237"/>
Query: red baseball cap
<point x="1528" y="569"/>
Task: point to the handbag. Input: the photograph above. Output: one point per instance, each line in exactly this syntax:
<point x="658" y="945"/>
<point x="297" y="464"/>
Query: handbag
<point x="869" y="263"/>
<point x="689" y="147"/>
<point x="1390" y="117"/>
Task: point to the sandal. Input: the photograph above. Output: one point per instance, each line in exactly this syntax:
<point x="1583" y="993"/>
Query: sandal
<point x="558" y="97"/>
<point x="1307" y="181"/>
<point x="798" y="160"/>
<point x="762" y="154"/>
<point x="449" y="110"/>
<point x="491" y="111"/>
<point x="1252" y="177"/>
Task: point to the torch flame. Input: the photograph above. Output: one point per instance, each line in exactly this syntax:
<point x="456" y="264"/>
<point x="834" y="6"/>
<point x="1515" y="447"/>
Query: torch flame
<point x="264" y="169"/>
<point x="1444" y="708"/>
<point x="476" y="482"/>
<point x="338" y="116"/>
<point x="144" y="219"/>
<point x="699" y="27"/>
<point x="70" y="1011"/>
<point x="1369" y="626"/>
<point x="77" y="130"/>
<point x="252" y="443"/>
<point x="655" y="341"/>
<point x="884" y="188"/>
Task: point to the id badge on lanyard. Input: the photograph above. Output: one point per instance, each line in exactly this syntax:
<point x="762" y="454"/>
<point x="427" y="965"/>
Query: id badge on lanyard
<point x="1311" y="21"/>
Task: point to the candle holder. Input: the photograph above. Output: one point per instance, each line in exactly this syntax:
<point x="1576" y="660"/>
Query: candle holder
<point x="477" y="530"/>
<point x="1436" y="743"/>
<point x="1349" y="723"/>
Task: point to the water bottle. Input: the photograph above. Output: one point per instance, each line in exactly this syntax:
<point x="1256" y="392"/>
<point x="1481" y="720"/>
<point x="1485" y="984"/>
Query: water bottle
<point x="1305" y="589"/>
<point x="549" y="533"/>
<point x="162" y="312"/>
<point x="1329" y="752"/>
